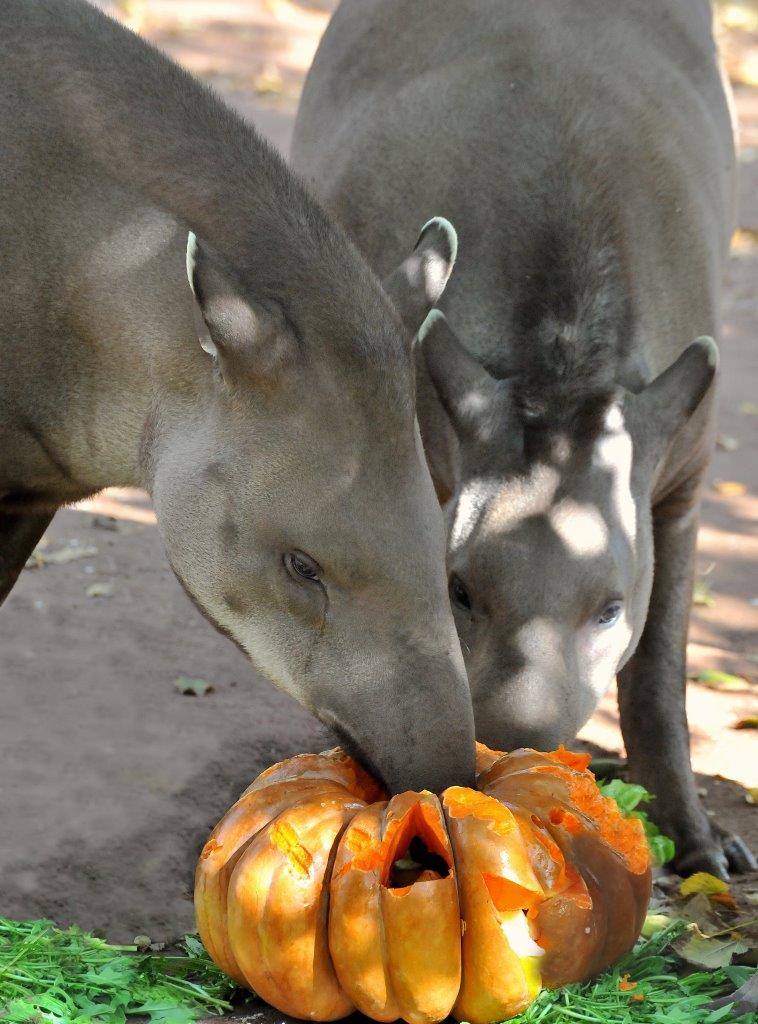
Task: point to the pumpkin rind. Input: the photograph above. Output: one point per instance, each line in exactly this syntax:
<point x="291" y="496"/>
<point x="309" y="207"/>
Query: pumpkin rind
<point x="278" y="903"/>
<point x="607" y="850"/>
<point x="497" y="887"/>
<point x="532" y="879"/>
<point x="278" y="788"/>
<point x="397" y="951"/>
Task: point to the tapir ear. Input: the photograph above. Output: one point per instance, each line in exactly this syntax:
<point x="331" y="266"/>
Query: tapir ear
<point x="418" y="283"/>
<point x="248" y="340"/>
<point x="471" y="397"/>
<point x="665" y="405"/>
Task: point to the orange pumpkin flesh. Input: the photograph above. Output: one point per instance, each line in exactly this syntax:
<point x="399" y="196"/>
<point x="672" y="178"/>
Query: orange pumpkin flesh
<point x="324" y="897"/>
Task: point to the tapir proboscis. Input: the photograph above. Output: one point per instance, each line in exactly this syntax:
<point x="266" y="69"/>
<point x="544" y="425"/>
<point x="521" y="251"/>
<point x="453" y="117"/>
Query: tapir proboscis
<point x="271" y="416"/>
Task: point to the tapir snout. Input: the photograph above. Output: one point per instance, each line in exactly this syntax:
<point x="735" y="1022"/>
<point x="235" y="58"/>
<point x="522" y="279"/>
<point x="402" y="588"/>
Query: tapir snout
<point x="407" y="717"/>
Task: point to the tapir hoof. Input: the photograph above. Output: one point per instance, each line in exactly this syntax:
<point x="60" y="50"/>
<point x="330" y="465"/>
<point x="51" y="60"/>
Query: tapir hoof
<point x="723" y="854"/>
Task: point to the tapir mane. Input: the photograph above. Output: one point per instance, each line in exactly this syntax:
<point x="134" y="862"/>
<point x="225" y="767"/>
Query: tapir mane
<point x="572" y="310"/>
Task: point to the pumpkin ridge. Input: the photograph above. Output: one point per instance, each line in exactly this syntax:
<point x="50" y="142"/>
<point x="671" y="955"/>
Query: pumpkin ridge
<point x="538" y="881"/>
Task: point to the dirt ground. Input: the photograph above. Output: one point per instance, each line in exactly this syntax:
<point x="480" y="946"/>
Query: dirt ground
<point x="109" y="777"/>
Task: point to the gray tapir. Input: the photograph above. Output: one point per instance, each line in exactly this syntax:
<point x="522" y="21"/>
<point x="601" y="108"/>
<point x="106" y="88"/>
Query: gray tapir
<point x="584" y="152"/>
<point x="277" y="436"/>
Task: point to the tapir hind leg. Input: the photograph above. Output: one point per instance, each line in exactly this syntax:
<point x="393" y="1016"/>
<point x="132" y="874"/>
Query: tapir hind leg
<point x="653" y="714"/>
<point x="19" y="535"/>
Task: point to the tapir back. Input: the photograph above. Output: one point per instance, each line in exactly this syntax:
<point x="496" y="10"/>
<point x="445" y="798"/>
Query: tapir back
<point x="584" y="152"/>
<point x="395" y="126"/>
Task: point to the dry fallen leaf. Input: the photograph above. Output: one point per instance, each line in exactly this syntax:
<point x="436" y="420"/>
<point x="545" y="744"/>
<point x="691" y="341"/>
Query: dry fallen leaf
<point x="102" y="522"/>
<point x="746" y="72"/>
<point x="68" y="553"/>
<point x="724" y="899"/>
<point x="699" y="910"/>
<point x="100" y="590"/>
<point x="133" y="13"/>
<point x="726" y="443"/>
<point x="193" y="687"/>
<point x="744" y="239"/>
<point x="701" y="951"/>
<point x="703" y="882"/>
<point x="715" y="680"/>
<point x="738" y="16"/>
<point x="702" y="595"/>
<point x="750" y="722"/>
<point x="269" y="82"/>
<point x="730" y="488"/>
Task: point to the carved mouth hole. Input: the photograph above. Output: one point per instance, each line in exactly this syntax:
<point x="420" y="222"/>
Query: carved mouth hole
<point x="415" y="862"/>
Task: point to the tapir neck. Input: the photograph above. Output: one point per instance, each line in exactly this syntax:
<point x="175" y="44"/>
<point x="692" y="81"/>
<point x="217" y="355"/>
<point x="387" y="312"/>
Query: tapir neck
<point x="152" y="127"/>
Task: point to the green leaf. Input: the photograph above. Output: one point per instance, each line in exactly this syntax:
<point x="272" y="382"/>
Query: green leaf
<point x="661" y="847"/>
<point x="724" y="1013"/>
<point x="629" y="796"/>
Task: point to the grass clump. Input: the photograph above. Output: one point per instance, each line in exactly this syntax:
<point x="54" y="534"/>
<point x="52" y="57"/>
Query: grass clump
<point x="647" y="986"/>
<point x="50" y="975"/>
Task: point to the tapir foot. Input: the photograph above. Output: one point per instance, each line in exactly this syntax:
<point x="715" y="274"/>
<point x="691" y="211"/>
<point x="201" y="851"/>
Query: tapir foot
<point x="720" y="855"/>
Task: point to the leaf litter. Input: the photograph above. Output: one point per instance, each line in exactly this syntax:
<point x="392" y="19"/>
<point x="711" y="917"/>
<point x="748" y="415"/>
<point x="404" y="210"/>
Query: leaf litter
<point x="42" y="556"/>
<point x="193" y="687"/>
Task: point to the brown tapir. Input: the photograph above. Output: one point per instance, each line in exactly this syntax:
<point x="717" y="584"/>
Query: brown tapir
<point x="277" y="438"/>
<point x="584" y="152"/>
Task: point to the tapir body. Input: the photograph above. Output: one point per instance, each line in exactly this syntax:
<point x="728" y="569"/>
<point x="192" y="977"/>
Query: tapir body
<point x="585" y="154"/>
<point x="271" y="415"/>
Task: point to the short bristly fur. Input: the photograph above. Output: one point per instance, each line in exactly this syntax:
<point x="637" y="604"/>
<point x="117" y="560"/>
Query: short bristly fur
<point x="584" y="154"/>
<point x="270" y="415"/>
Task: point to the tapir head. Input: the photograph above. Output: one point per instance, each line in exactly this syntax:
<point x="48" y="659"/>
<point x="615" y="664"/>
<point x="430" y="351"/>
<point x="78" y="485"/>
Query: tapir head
<point x="298" y="512"/>
<point x="550" y="549"/>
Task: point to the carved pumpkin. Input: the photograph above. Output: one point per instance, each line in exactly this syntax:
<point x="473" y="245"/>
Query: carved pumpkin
<point x="323" y="896"/>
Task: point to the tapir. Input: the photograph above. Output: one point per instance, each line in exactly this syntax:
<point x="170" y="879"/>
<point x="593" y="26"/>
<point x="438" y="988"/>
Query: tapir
<point x="267" y="404"/>
<point x="584" y="152"/>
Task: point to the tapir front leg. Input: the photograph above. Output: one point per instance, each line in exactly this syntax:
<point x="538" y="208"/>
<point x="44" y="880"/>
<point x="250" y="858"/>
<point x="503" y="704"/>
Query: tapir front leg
<point x="653" y="714"/>
<point x="19" y="535"/>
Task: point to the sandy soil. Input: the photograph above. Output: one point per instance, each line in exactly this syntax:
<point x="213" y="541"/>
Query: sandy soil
<point x="109" y="777"/>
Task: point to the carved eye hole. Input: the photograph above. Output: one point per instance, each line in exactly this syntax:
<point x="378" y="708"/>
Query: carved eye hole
<point x="302" y="567"/>
<point x="458" y="593"/>
<point x="609" y="615"/>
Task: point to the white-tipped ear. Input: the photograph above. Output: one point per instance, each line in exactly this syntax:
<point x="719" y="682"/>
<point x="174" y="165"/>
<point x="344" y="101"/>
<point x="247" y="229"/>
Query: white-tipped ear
<point x="418" y="283"/>
<point x="191" y="259"/>
<point x="206" y="342"/>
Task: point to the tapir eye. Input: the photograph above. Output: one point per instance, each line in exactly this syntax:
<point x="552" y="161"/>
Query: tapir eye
<point x="459" y="594"/>
<point x="301" y="566"/>
<point x="609" y="615"/>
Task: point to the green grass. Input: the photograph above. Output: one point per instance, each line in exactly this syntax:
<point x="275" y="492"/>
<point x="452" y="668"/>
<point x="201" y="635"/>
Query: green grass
<point x="670" y="996"/>
<point x="53" y="976"/>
